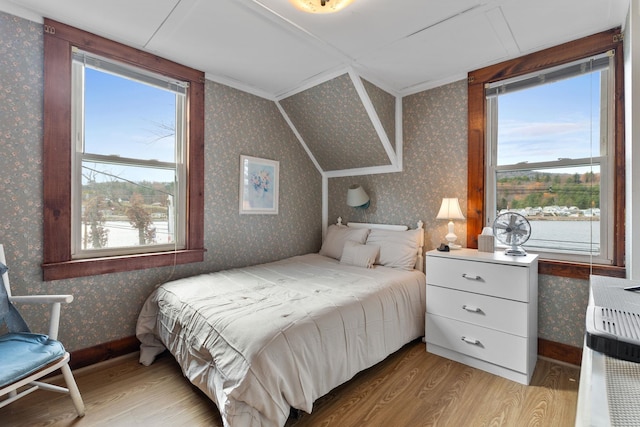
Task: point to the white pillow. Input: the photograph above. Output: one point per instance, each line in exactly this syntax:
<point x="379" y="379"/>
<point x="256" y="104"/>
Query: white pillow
<point x="398" y="249"/>
<point x="360" y="255"/>
<point x="337" y="236"/>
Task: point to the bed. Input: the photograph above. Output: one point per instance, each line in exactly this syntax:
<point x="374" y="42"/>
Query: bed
<point x="264" y="339"/>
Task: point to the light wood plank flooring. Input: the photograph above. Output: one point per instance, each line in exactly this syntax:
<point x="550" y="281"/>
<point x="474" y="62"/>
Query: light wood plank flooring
<point x="409" y="388"/>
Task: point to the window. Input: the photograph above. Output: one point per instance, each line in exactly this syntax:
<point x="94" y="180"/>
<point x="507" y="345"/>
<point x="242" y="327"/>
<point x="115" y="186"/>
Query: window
<point x="128" y="169"/>
<point x="534" y="152"/>
<point x="123" y="157"/>
<point x="548" y="157"/>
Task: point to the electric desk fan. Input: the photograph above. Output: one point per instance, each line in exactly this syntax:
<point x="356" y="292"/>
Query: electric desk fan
<point x="513" y="230"/>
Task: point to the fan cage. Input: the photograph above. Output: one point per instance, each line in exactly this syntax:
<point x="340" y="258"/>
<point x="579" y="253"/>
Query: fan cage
<point x="513" y="230"/>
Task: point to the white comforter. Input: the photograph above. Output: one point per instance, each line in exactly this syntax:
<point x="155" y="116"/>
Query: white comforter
<point x="262" y="339"/>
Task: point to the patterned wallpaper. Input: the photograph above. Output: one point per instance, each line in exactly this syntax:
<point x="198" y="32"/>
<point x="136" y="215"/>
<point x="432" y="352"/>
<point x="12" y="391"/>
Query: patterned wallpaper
<point x="562" y="303"/>
<point x="435" y="165"/>
<point x="106" y="307"/>
<point x="385" y="106"/>
<point x="335" y="126"/>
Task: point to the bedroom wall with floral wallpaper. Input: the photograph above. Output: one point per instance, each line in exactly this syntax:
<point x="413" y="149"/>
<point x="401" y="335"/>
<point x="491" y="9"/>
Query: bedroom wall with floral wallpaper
<point x="106" y="307"/>
<point x="435" y="166"/>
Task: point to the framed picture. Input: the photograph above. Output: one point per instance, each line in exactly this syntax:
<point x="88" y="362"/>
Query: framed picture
<point x="258" y="185"/>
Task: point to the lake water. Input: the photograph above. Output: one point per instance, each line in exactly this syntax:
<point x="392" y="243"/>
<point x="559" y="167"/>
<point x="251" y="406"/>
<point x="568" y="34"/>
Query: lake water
<point x="570" y="235"/>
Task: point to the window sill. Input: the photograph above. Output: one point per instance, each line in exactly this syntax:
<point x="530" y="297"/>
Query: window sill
<point x="96" y="266"/>
<point x="578" y="270"/>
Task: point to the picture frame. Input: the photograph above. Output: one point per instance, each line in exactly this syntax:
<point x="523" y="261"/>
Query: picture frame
<point x="259" y="185"/>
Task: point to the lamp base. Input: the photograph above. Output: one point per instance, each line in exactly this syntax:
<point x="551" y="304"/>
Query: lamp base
<point x="451" y="237"/>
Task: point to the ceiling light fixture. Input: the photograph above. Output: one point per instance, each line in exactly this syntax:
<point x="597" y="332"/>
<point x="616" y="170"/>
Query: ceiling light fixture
<point x="320" y="6"/>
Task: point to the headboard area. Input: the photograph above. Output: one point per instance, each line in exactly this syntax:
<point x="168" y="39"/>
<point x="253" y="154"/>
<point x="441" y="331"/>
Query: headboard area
<point x="419" y="230"/>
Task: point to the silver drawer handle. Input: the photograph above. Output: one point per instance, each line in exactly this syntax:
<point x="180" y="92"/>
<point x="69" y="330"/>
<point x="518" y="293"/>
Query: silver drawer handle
<point x="470" y="341"/>
<point x="466" y="276"/>
<point x="471" y="308"/>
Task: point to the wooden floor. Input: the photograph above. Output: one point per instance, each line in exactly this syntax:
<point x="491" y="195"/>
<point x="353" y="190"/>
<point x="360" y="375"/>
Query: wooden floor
<point x="410" y="388"/>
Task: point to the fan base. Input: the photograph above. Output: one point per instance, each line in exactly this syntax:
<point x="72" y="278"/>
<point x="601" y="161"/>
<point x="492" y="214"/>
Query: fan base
<point x="515" y="251"/>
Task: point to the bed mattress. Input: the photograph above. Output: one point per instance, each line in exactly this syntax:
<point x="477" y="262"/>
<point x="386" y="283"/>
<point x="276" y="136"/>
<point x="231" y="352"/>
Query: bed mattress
<point x="262" y="339"/>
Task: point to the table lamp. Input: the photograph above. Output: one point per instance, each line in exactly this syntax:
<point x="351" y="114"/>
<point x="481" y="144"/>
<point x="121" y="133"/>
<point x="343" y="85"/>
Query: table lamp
<point x="450" y="209"/>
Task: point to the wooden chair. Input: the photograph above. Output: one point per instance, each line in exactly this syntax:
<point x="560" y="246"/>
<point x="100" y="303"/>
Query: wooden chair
<point x="26" y="357"/>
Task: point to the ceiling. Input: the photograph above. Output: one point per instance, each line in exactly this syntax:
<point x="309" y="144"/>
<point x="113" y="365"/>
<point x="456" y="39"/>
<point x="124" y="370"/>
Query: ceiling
<point x="271" y="49"/>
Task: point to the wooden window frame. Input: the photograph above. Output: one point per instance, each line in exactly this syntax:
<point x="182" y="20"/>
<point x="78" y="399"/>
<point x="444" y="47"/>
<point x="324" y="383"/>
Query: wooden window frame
<point x="58" y="264"/>
<point x="571" y="51"/>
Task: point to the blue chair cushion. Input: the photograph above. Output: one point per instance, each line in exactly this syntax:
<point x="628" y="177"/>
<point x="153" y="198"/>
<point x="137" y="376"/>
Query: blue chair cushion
<point x="22" y="354"/>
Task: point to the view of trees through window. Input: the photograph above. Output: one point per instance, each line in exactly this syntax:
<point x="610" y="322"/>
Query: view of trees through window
<point x="549" y="194"/>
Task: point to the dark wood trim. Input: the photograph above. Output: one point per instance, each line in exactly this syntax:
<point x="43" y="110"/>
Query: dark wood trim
<point x="56" y="156"/>
<point x="105" y="351"/>
<point x="195" y="168"/>
<point x="58" y="264"/>
<point x="577" y="49"/>
<point x="476" y="162"/>
<point x="78" y="267"/>
<point x="110" y="49"/>
<point x="558" y="351"/>
<point x="557" y="55"/>
<point x="579" y="271"/>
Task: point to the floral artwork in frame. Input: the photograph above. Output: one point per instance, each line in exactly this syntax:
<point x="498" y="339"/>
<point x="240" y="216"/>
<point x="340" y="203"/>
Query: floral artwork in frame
<point x="258" y="185"/>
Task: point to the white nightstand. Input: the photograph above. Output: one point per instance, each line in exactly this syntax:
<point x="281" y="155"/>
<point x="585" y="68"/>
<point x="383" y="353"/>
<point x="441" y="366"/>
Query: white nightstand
<point x="482" y="310"/>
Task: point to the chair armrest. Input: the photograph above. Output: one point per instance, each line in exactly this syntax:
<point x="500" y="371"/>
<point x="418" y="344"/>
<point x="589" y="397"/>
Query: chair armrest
<point x="54" y="300"/>
<point x="41" y="299"/>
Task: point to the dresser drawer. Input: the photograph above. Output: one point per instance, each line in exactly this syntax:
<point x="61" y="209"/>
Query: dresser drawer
<point x="492" y="346"/>
<point x="505" y="281"/>
<point x="491" y="312"/>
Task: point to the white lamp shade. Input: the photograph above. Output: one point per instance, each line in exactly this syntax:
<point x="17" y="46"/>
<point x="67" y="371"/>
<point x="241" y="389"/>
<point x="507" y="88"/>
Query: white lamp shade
<point x="450" y="209"/>
<point x="356" y="196"/>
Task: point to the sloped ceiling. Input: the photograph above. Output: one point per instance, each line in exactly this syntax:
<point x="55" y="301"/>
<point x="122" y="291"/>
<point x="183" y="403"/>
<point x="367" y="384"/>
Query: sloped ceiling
<point x="332" y="120"/>
<point x="271" y="49"/>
